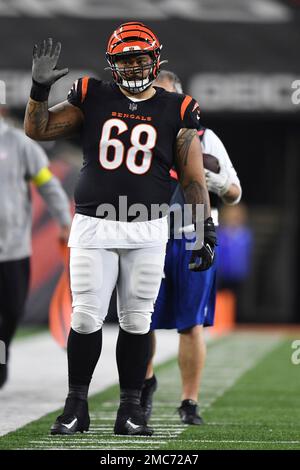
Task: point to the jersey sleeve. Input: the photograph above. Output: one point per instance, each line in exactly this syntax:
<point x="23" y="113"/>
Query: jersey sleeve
<point x="189" y="113"/>
<point x="78" y="92"/>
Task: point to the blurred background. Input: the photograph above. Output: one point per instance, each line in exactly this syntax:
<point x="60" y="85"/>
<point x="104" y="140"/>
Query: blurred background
<point x="239" y="59"/>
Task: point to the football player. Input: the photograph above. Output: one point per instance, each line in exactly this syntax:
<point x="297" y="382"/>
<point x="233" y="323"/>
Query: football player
<point x="129" y="130"/>
<point x="186" y="299"/>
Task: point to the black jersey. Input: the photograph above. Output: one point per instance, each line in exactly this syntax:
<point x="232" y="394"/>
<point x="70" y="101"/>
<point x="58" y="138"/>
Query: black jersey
<point x="128" y="146"/>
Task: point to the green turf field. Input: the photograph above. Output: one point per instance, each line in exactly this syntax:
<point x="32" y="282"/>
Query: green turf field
<point x="25" y="331"/>
<point x="250" y="400"/>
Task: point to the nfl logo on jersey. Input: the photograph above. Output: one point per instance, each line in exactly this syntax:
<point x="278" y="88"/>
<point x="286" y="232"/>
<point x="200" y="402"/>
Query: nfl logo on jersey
<point x="133" y="106"/>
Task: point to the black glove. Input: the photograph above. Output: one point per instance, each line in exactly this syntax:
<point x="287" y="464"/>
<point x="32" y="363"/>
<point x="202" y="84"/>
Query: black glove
<point x="202" y="258"/>
<point x="44" y="72"/>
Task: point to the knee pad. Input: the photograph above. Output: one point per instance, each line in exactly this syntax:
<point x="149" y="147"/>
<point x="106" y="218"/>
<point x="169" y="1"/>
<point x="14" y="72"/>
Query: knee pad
<point x="86" y="280"/>
<point x="86" y="275"/>
<point x="85" y="322"/>
<point x="146" y="277"/>
<point x="137" y="323"/>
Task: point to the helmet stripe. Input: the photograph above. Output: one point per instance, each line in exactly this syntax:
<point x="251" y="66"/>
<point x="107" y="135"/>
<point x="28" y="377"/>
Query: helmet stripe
<point x="84" y="87"/>
<point x="132" y="31"/>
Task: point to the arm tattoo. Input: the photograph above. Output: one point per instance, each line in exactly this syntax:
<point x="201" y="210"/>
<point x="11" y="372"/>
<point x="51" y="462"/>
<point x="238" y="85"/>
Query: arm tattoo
<point x="195" y="194"/>
<point x="184" y="141"/>
<point x="37" y="115"/>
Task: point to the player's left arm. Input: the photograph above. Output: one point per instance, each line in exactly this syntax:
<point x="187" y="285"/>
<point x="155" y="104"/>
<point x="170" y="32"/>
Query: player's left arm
<point x="189" y="164"/>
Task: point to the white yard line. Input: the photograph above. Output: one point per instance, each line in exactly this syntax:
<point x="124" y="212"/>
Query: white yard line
<point x="38" y="375"/>
<point x="208" y="441"/>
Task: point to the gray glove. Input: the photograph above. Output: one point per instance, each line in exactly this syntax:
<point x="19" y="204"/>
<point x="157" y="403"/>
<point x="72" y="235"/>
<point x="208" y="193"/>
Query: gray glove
<point x="44" y="70"/>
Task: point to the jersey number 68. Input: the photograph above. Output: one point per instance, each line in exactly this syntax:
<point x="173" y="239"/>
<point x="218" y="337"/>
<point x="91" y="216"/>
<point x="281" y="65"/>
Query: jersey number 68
<point x="119" y="149"/>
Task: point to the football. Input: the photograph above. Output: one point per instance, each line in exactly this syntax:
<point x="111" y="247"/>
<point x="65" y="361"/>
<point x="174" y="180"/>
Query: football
<point x="211" y="163"/>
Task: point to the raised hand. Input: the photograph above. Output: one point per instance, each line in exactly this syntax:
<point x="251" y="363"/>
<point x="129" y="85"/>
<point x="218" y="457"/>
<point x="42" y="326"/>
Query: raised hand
<point x="44" y="61"/>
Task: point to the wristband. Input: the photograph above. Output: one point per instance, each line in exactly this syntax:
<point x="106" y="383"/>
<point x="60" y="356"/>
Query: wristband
<point x="39" y="92"/>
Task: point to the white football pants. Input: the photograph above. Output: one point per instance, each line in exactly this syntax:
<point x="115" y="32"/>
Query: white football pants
<point x="136" y="273"/>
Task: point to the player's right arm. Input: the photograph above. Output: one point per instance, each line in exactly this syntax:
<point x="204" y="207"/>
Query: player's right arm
<point x="62" y="120"/>
<point x="41" y="123"/>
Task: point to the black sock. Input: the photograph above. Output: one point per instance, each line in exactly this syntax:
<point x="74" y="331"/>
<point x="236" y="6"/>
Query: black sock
<point x="83" y="354"/>
<point x="130" y="397"/>
<point x="133" y="352"/>
<point x="78" y="391"/>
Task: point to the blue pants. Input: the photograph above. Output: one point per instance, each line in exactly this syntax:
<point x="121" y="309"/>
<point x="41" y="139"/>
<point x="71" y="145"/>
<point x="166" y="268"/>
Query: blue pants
<point x="186" y="298"/>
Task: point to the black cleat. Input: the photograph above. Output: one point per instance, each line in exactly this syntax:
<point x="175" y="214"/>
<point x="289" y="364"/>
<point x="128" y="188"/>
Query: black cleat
<point x="75" y="418"/>
<point x="130" y="421"/>
<point x="3" y="374"/>
<point x="149" y="387"/>
<point x="188" y="412"/>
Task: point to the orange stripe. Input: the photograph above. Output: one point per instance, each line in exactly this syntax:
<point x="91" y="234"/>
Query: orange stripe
<point x="184" y="105"/>
<point x="84" y="87"/>
<point x="61" y="305"/>
<point x="173" y="174"/>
